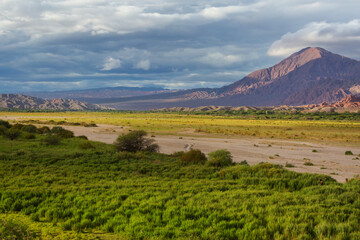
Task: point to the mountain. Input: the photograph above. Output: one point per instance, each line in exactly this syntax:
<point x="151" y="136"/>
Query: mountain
<point x="26" y="102"/>
<point x="110" y="92"/>
<point x="310" y="76"/>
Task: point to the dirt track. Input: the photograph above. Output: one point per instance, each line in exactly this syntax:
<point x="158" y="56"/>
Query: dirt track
<point x="327" y="159"/>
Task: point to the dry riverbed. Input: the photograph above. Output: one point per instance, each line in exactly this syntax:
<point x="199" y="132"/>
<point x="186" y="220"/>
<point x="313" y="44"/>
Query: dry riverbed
<point x="326" y="159"/>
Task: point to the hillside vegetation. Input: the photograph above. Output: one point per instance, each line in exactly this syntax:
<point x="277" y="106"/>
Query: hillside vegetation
<point x="78" y="189"/>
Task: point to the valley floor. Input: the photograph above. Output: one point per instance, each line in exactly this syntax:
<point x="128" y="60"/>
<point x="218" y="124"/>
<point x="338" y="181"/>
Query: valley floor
<point x="320" y="158"/>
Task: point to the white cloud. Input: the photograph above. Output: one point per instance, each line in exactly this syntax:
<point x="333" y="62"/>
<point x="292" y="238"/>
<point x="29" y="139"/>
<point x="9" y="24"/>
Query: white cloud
<point x="220" y="59"/>
<point x="111" y="63"/>
<point x="222" y="12"/>
<point x="143" y="64"/>
<point x="323" y="34"/>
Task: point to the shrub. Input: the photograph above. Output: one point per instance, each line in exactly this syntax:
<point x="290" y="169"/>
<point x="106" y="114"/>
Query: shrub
<point x="135" y="141"/>
<point x="5" y="124"/>
<point x="244" y="162"/>
<point x="308" y="164"/>
<point x="51" y="140"/>
<point x="349" y="153"/>
<point x="65" y="134"/>
<point x="220" y="158"/>
<point x="43" y="130"/>
<point x="193" y="156"/>
<point x="86" y="145"/>
<point x="314" y="150"/>
<point x="12" y="134"/>
<point x="178" y="154"/>
<point x="28" y="135"/>
<point x="29" y="128"/>
<point x="3" y="129"/>
<point x="289" y="165"/>
<point x="57" y="130"/>
<point x="82" y="137"/>
<point x="15" y="230"/>
<point x="17" y="126"/>
<point x="61" y="132"/>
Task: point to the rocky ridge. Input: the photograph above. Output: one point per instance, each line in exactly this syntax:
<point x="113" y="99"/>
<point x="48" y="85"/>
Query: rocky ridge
<point x="350" y="103"/>
<point x="14" y="101"/>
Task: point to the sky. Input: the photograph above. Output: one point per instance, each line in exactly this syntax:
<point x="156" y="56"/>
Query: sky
<point x="48" y="45"/>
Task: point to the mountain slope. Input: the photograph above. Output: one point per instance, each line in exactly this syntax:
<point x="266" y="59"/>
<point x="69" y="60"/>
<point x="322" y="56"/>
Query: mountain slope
<point x="26" y="102"/>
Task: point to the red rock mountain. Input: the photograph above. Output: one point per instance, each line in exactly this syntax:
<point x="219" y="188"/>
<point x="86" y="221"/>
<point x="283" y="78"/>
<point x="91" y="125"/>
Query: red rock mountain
<point x="310" y="76"/>
<point x="348" y="102"/>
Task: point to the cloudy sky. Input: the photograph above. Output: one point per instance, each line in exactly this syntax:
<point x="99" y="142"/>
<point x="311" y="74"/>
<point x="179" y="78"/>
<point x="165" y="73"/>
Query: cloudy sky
<point x="176" y="44"/>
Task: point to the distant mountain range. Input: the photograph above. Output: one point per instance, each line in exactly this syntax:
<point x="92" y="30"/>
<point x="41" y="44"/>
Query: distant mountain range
<point x="310" y="76"/>
<point x="110" y="92"/>
<point x="13" y="101"/>
<point x="350" y="103"/>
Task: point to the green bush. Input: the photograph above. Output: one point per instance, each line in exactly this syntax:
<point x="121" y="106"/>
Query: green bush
<point x="86" y="145"/>
<point x="82" y="137"/>
<point x="12" y="133"/>
<point x="51" y="140"/>
<point x="136" y="141"/>
<point x="15" y="230"/>
<point x="3" y="129"/>
<point x="29" y="128"/>
<point x="57" y="130"/>
<point x="349" y="153"/>
<point x="43" y="130"/>
<point x="244" y="162"/>
<point x="289" y="165"/>
<point x="28" y="135"/>
<point x="61" y="132"/>
<point x="220" y="158"/>
<point x="193" y="156"/>
<point x="308" y="164"/>
<point x="17" y="126"/>
<point x="178" y="154"/>
<point x="65" y="134"/>
<point x="5" y="124"/>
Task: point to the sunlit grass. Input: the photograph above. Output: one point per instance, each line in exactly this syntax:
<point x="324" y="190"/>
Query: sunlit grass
<point x="180" y="124"/>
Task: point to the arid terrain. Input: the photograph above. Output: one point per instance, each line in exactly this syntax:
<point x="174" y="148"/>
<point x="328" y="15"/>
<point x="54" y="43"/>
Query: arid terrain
<point x="327" y="159"/>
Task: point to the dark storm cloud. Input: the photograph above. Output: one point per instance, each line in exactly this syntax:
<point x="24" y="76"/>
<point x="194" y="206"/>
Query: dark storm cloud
<point x="65" y="44"/>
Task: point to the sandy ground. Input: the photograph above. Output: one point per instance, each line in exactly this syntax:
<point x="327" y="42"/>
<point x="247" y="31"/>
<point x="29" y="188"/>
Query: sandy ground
<point x="328" y="159"/>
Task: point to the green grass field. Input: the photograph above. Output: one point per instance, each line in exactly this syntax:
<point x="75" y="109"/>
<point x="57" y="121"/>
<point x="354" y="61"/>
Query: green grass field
<point x="328" y="129"/>
<point x="86" y="190"/>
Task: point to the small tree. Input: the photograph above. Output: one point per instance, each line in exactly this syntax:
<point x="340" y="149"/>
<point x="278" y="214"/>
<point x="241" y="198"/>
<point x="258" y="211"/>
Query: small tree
<point x="135" y="141"/>
<point x="220" y="158"/>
